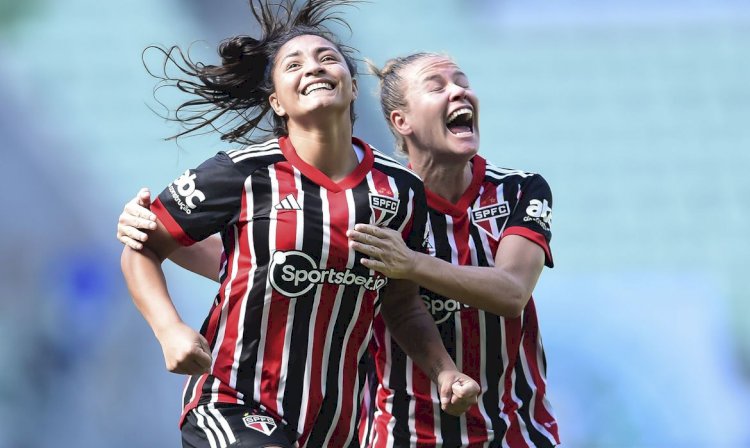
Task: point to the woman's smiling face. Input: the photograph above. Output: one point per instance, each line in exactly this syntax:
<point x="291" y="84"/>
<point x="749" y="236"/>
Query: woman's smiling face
<point x="310" y="76"/>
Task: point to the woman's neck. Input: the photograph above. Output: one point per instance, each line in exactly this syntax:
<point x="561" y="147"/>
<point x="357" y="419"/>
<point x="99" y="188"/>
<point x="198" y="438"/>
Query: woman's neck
<point x="448" y="179"/>
<point x="329" y="149"/>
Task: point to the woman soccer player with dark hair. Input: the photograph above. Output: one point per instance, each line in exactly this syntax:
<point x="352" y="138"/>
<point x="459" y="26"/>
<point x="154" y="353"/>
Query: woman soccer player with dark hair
<point x="276" y="360"/>
<point x="489" y="233"/>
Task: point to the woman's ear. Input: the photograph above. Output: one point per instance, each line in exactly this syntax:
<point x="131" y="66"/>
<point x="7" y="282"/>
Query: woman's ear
<point x="400" y="122"/>
<point x="273" y="100"/>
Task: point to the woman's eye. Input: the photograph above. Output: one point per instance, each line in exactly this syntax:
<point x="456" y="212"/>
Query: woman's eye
<point x="328" y="58"/>
<point x="292" y="65"/>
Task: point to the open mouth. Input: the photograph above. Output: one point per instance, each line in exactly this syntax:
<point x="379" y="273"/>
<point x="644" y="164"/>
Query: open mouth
<point x="461" y="121"/>
<point x="318" y="86"/>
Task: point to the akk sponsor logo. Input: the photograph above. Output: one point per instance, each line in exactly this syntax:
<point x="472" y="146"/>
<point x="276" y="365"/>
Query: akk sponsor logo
<point x="260" y="423"/>
<point x="490" y="211"/>
<point x="539" y="212"/>
<point x="294" y="273"/>
<point x="184" y="193"/>
<point x="384" y="208"/>
<point x="441" y="307"/>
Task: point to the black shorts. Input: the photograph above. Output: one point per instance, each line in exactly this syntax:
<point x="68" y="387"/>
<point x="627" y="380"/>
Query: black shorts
<point x="221" y="425"/>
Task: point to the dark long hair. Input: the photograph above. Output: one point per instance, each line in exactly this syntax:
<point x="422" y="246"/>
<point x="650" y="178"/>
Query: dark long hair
<point x="232" y="98"/>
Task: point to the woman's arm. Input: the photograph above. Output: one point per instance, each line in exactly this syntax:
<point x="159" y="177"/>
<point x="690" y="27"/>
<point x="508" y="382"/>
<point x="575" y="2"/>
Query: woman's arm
<point x="503" y="289"/>
<point x="414" y="330"/>
<point x="185" y="350"/>
<point x="202" y="258"/>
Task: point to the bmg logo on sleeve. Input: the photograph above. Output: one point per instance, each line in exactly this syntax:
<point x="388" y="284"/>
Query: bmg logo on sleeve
<point x="184" y="188"/>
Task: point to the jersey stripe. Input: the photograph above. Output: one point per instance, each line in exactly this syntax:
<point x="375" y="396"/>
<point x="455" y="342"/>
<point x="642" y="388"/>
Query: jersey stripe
<point x="504" y="355"/>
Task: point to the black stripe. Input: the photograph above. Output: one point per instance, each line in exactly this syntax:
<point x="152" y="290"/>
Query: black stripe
<point x="494" y="371"/>
<point x="523" y="391"/>
<point x="261" y="194"/>
<point x="312" y="243"/>
<point x="188" y="395"/>
<point x="337" y="346"/>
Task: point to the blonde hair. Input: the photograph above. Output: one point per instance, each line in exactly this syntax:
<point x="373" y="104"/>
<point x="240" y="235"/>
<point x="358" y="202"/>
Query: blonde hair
<point x="391" y="89"/>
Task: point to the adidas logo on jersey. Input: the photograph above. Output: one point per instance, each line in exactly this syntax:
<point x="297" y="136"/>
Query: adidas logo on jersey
<point x="288" y="203"/>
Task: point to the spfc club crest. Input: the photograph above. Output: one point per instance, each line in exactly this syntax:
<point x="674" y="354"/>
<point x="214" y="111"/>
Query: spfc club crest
<point x="260" y="423"/>
<point x="383" y="208"/>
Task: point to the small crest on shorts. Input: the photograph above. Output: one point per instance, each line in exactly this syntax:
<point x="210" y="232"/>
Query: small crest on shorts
<point x="260" y="423"/>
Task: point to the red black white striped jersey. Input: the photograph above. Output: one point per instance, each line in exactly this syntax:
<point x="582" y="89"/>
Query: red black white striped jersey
<point x="294" y="312"/>
<point x="504" y="355"/>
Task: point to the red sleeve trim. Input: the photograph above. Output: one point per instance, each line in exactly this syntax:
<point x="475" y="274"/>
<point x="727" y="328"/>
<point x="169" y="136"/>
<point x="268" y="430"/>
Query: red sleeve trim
<point x="174" y="229"/>
<point x="534" y="237"/>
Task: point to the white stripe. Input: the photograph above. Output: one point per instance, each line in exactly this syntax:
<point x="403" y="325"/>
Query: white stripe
<point x="347" y="335"/>
<point x="532" y="402"/>
<point x="373" y="190"/>
<point x="514" y="397"/>
<point x="483" y="376"/>
<point x="482" y="343"/>
<point x="225" y="306"/>
<point x="500" y="175"/>
<point x="250" y="202"/>
<point x="202" y="425"/>
<point x="383" y="385"/>
<point x="256" y="145"/>
<point x="394" y="189"/>
<point x="356" y="398"/>
<point x="387" y="161"/>
<point x="459" y="348"/>
<point x="294" y="203"/>
<point x="222" y="422"/>
<point x="501" y="381"/>
<point x="212" y="424"/>
<point x="271" y="144"/>
<point x="261" y="350"/>
<point x="253" y="155"/>
<point x="292" y="303"/>
<point x="412" y="402"/>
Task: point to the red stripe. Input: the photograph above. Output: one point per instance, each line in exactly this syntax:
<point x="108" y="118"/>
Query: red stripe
<point x="359" y="334"/>
<point x="512" y="342"/>
<point x="534" y="237"/>
<point x="531" y="341"/>
<point x="424" y="422"/>
<point x="215" y="313"/>
<point x="472" y="359"/>
<point x="275" y="331"/>
<point x="338" y="257"/>
<point x="337" y="210"/>
<point x="239" y="287"/>
<point x="380" y="425"/>
<point x="174" y="229"/>
<point x="194" y="402"/>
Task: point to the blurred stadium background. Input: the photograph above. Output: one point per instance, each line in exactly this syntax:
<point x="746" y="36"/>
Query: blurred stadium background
<point x="637" y="113"/>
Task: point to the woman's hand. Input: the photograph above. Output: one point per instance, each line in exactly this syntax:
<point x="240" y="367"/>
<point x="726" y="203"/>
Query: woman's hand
<point x="135" y="216"/>
<point x="185" y="350"/>
<point x="386" y="248"/>
<point x="458" y="392"/>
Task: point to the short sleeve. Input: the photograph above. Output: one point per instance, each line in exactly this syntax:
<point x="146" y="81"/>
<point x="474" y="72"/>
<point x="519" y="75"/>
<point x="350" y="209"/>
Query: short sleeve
<point x="201" y="201"/>
<point x="532" y="216"/>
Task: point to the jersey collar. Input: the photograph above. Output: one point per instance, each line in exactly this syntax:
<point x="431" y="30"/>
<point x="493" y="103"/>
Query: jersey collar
<point x="352" y="180"/>
<point x="442" y="205"/>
